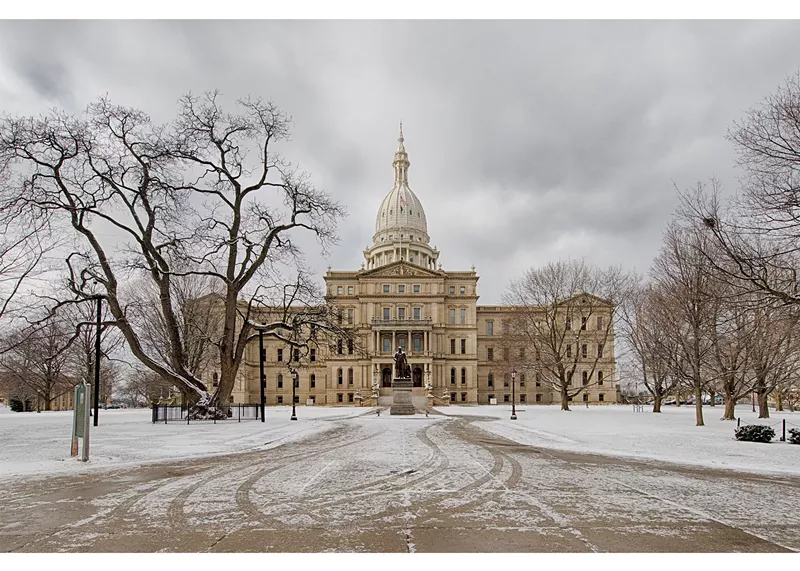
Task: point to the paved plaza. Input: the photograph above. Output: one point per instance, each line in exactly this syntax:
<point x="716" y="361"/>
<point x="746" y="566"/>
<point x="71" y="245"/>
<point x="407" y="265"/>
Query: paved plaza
<point x="389" y="484"/>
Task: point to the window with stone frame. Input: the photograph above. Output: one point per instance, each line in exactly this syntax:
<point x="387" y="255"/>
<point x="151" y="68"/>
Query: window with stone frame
<point x="313" y="355"/>
<point x="417" y="344"/>
<point x="463" y="397"/>
<point x="280" y="381"/>
<point x="387" y="288"/>
<point x="349" y="346"/>
<point x="296" y="356"/>
<point x="339" y="346"/>
<point x="490" y="328"/>
<point x="401" y="289"/>
<point x="280" y="355"/>
<point x="339" y="397"/>
<point x="338" y="376"/>
<point x="601" y="397"/>
<point x="350" y="315"/>
<point x="312" y="383"/>
<point x="600" y="323"/>
<point x="349" y="376"/>
<point x="452" y="317"/>
<point x="417" y="312"/>
<point x="387" y="313"/>
<point x="463" y="316"/>
<point x="599" y="377"/>
<point x="463" y="376"/>
<point x="489" y="354"/>
<point x="452" y="376"/>
<point x="522" y="397"/>
<point x="585" y="397"/>
<point x="490" y="381"/>
<point x="387" y="345"/>
<point x="349" y="397"/>
<point x="416" y="289"/>
<point x="584" y="350"/>
<point x="583" y="323"/>
<point x="349" y="290"/>
<point x="463" y="346"/>
<point x="462" y="290"/>
<point x="280" y="399"/>
<point x="538" y="380"/>
<point x="339" y="290"/>
<point x="452" y="346"/>
<point x="600" y="350"/>
<point x="568" y="352"/>
<point x="538" y="398"/>
<point x="585" y="378"/>
<point x="401" y="313"/>
<point x="569" y="379"/>
<point x="452" y="290"/>
<point x="452" y="397"/>
<point x="506" y="398"/>
<point x="522" y="379"/>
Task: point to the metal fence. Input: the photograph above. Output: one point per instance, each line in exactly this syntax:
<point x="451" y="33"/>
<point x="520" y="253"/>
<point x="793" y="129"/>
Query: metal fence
<point x="181" y="413"/>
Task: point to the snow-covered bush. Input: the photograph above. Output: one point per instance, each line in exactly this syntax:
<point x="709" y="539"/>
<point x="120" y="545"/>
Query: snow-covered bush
<point x="794" y="436"/>
<point x="755" y="433"/>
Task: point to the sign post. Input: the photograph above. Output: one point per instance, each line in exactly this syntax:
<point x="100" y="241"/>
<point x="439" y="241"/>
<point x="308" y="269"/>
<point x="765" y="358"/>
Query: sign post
<point x="80" y="421"/>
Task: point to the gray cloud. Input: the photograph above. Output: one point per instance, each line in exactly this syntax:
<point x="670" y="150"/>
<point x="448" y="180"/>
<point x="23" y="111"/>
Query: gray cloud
<point x="529" y="141"/>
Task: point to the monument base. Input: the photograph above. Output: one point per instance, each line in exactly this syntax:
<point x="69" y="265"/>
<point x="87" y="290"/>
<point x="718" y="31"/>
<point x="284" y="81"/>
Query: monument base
<point x="401" y="397"/>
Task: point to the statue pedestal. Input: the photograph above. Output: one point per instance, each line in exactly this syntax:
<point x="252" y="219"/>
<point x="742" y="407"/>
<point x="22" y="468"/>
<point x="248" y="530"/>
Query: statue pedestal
<point x="401" y="397"/>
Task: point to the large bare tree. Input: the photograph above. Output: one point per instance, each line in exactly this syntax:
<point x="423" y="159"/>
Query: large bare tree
<point x="565" y="313"/>
<point x="207" y="190"/>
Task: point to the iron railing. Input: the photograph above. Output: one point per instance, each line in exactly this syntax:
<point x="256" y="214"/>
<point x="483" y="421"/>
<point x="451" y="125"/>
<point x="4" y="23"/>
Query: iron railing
<point x="181" y="413"/>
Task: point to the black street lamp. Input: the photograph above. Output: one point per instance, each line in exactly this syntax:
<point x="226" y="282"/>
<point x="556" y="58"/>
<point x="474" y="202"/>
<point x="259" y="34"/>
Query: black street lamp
<point x="294" y="386"/>
<point x="262" y="380"/>
<point x="97" y="362"/>
<point x="513" y="395"/>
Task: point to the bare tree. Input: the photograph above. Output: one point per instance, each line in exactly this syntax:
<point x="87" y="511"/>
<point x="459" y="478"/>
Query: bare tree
<point x="207" y="190"/>
<point x="565" y="312"/>
<point x="644" y="328"/>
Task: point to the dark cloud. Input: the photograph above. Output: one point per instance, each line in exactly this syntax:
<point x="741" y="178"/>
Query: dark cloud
<point x="529" y="141"/>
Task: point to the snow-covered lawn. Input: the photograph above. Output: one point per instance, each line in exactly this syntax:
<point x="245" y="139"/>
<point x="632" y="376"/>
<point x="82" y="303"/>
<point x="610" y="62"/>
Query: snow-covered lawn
<point x="615" y="430"/>
<point x="35" y="443"/>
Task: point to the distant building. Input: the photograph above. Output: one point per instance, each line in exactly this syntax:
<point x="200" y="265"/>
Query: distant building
<point x="402" y="297"/>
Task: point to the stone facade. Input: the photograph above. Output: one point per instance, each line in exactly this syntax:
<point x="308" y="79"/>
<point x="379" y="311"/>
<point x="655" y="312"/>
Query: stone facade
<point x="400" y="297"/>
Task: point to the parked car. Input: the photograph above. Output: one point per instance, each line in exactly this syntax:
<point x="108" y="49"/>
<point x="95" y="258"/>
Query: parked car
<point x="669" y="401"/>
<point x="690" y="400"/>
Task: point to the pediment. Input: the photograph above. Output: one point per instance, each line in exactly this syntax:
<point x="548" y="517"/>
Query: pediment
<point x="400" y="269"/>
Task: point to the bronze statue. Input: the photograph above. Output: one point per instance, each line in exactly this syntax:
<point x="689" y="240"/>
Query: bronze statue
<point x="401" y="367"/>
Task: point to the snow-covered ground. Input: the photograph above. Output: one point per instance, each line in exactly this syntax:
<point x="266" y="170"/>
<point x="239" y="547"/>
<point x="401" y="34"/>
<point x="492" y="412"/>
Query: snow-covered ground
<point x="671" y="436"/>
<point x="35" y="443"/>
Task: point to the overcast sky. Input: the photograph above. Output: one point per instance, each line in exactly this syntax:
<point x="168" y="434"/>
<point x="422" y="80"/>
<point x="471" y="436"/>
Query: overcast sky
<point x="529" y="141"/>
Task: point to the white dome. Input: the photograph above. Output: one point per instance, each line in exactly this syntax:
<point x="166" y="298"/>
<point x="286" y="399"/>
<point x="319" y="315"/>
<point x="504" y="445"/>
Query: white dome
<point x="401" y="212"/>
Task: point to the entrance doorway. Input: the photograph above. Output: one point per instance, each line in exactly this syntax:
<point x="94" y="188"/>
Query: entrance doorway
<point x="417" y="376"/>
<point x="386" y="375"/>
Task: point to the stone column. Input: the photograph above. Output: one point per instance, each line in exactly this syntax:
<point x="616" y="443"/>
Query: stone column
<point x="394" y="342"/>
<point x="408" y="342"/>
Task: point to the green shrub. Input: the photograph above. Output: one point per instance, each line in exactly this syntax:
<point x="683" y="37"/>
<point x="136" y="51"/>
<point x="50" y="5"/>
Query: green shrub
<point x="755" y="433"/>
<point x="794" y="436"/>
<point x="15" y="405"/>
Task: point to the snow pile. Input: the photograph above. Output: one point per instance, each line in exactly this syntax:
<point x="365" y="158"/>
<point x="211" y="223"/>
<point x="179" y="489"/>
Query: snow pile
<point x="4" y="409"/>
<point x="36" y="443"/>
<point x="615" y="430"/>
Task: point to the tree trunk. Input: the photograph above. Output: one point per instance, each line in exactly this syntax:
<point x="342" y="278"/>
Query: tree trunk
<point x="730" y="408"/>
<point x="678" y="400"/>
<point x="564" y="401"/>
<point x="778" y="402"/>
<point x="763" y="406"/>
<point x="713" y="396"/>
<point x="657" y="403"/>
<point x="698" y="405"/>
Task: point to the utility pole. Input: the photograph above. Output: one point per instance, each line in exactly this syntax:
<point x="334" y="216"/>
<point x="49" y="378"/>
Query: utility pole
<point x="261" y="380"/>
<point x="97" y="361"/>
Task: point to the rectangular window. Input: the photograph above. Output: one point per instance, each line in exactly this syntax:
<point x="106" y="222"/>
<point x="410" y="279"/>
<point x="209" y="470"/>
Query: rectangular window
<point x="463" y="376"/>
<point x="280" y="381"/>
<point x="599" y="349"/>
<point x="339" y="377"/>
<point x="387" y="345"/>
<point x="402" y="342"/>
<point x="599" y="377"/>
<point x="296" y="356"/>
<point x="599" y="322"/>
<point x="452" y="317"/>
<point x="569" y="352"/>
<point x="387" y="314"/>
<point x="490" y="328"/>
<point x="522" y="379"/>
<point x="280" y="355"/>
<point x="463" y="397"/>
<point x="489" y="354"/>
<point x="584" y="350"/>
<point x="569" y="379"/>
<point x="452" y="346"/>
<point x="585" y="378"/>
<point x="585" y="397"/>
<point x="386" y="288"/>
<point x="417" y="344"/>
<point x="401" y="313"/>
<point x="350" y="316"/>
<point x="339" y="349"/>
<point x="538" y="398"/>
<point x="506" y="398"/>
<point x="349" y="290"/>
<point x="339" y="290"/>
<point x="522" y="398"/>
<point x="463" y="346"/>
<point x="339" y="397"/>
<point x="601" y="397"/>
<point x="452" y="397"/>
<point x="538" y="380"/>
<point x="452" y="290"/>
<point x="349" y="397"/>
<point x="491" y="380"/>
<point x="349" y="346"/>
<point x="505" y="380"/>
<point x="349" y="376"/>
<point x="280" y="399"/>
<point x="452" y="376"/>
<point x="416" y="289"/>
<point x="416" y="313"/>
<point x="313" y="382"/>
<point x="462" y="290"/>
<point x="401" y="289"/>
<point x="313" y="356"/>
<point x="463" y="316"/>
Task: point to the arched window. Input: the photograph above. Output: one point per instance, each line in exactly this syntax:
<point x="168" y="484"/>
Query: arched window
<point x="349" y="376"/>
<point x="339" y="376"/>
<point x="463" y="376"/>
<point x="452" y="376"/>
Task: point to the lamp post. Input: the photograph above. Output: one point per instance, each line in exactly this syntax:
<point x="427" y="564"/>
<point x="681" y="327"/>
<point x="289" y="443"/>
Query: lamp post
<point x="97" y="362"/>
<point x="261" y="379"/>
<point x="294" y="386"/>
<point x="513" y="395"/>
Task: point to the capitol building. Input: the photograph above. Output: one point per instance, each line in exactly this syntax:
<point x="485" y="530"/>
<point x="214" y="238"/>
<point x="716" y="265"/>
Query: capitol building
<point x="401" y="297"/>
